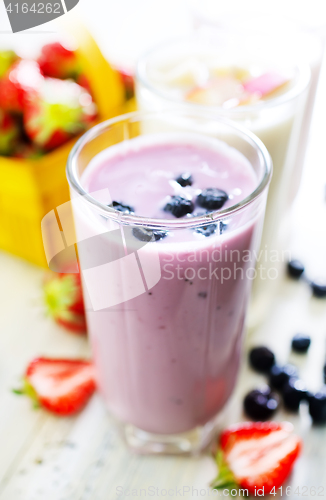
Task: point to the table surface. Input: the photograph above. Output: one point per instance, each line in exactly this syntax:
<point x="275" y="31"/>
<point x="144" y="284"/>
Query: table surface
<point x="45" y="457"/>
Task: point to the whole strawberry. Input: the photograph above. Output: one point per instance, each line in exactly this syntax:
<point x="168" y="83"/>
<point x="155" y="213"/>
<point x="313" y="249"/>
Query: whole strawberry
<point x="59" y="111"/>
<point x="22" y="79"/>
<point x="7" y="59"/>
<point x="57" y="61"/>
<point x="62" y="386"/>
<point x="9" y="134"/>
<point x="256" y="457"/>
<point x="64" y="301"/>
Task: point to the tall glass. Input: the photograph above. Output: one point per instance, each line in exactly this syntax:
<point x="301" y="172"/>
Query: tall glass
<point x="166" y="317"/>
<point x="276" y="121"/>
<point x="301" y="32"/>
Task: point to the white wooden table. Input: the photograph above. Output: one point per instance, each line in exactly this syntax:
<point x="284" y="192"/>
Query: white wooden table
<point x="47" y="458"/>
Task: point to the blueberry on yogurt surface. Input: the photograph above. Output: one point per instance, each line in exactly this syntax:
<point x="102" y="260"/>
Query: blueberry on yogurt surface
<point x="143" y="234"/>
<point x="185" y="179"/>
<point x="212" y="198"/>
<point x="121" y="207"/>
<point x="207" y="230"/>
<point x="179" y="206"/>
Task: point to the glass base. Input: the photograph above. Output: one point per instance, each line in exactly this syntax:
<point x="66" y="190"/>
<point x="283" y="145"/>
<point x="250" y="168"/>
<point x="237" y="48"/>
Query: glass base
<point x="188" y="443"/>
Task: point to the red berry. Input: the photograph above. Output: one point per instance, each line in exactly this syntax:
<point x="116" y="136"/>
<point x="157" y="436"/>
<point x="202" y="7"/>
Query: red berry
<point x="61" y="110"/>
<point x="22" y="79"/>
<point x="256" y="456"/>
<point x="64" y="301"/>
<point x="57" y="61"/>
<point x="62" y="386"/>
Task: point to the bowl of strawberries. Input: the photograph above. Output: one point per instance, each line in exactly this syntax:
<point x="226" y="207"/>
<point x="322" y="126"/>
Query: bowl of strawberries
<point x="46" y="102"/>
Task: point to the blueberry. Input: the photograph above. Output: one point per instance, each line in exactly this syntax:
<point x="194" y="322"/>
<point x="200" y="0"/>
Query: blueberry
<point x="223" y="226"/>
<point x="261" y="359"/>
<point x="261" y="404"/>
<point x="295" y="268"/>
<point x="318" y="289"/>
<point x="301" y="343"/>
<point x="294" y="391"/>
<point x="212" y="198"/>
<point x="317" y="406"/>
<point x="121" y="207"/>
<point x="280" y="375"/>
<point x="143" y="234"/>
<point x="185" y="179"/>
<point x="179" y="206"/>
<point x="207" y="230"/>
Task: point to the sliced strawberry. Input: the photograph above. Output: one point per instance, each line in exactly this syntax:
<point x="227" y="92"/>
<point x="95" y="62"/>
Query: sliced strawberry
<point x="257" y="455"/>
<point x="265" y="84"/>
<point x="10" y="133"/>
<point x="7" y="59"/>
<point x="59" y="111"/>
<point x="64" y="301"/>
<point x="62" y="386"/>
<point x="21" y="79"/>
<point x="57" y="61"/>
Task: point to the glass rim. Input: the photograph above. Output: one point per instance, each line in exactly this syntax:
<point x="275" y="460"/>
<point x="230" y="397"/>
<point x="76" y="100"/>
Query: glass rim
<point x="155" y="223"/>
<point x="141" y="75"/>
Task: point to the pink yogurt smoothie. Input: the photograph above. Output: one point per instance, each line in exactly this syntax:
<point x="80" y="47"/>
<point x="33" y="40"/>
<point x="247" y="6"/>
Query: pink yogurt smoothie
<point x="168" y="359"/>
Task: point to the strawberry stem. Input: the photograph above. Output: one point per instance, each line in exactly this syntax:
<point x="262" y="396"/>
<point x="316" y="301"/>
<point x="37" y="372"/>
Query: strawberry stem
<point x="59" y="295"/>
<point x="28" y="390"/>
<point x="225" y="479"/>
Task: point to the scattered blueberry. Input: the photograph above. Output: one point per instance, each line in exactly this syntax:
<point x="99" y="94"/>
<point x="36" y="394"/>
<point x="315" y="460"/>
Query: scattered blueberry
<point x="121" y="207"/>
<point x="143" y="234"/>
<point x="294" y="391"/>
<point x="203" y="295"/>
<point x="207" y="230"/>
<point x="261" y="359"/>
<point x="317" y="406"/>
<point x="280" y="375"/>
<point x="295" y="268"/>
<point x="261" y="404"/>
<point x="179" y="206"/>
<point x="212" y="198"/>
<point x="318" y="289"/>
<point x="185" y="179"/>
<point x="301" y="343"/>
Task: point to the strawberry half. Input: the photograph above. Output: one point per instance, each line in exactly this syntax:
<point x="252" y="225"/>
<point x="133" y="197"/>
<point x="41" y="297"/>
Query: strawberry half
<point x="59" y="111"/>
<point x="64" y="301"/>
<point x="257" y="455"/>
<point x="22" y="78"/>
<point x="265" y="84"/>
<point x="9" y="133"/>
<point x="62" y="386"/>
<point x="57" y="61"/>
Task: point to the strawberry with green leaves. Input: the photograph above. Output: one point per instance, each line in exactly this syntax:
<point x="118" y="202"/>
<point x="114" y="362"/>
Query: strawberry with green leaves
<point x="7" y="59"/>
<point x="22" y="79"/>
<point x="62" y="386"/>
<point x="64" y="301"/>
<point x="256" y="456"/>
<point x="59" y="111"/>
<point x="10" y="134"/>
<point x="58" y="61"/>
